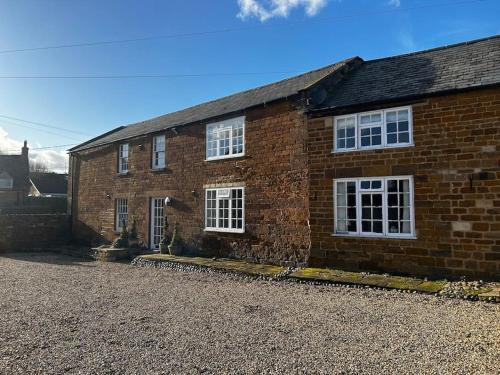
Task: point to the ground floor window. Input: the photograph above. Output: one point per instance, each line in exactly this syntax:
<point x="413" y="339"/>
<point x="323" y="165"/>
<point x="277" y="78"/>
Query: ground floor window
<point x="157" y="220"/>
<point x="224" y="209"/>
<point x="381" y="206"/>
<point x="121" y="215"/>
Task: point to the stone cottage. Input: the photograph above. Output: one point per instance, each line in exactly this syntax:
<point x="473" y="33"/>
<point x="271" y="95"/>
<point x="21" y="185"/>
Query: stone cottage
<point x="381" y="165"/>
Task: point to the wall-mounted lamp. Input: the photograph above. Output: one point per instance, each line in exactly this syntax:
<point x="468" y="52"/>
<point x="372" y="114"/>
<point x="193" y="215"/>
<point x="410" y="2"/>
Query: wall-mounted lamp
<point x="168" y="200"/>
<point x="108" y="195"/>
<point x="141" y="147"/>
<point x="174" y="130"/>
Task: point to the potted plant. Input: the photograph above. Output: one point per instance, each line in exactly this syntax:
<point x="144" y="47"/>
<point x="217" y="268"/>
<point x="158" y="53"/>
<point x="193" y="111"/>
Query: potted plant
<point x="133" y="242"/>
<point x="165" y="239"/>
<point x="122" y="241"/>
<point x="175" y="247"/>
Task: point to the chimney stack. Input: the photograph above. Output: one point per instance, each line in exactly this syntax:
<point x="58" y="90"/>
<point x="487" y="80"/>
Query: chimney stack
<point x="25" y="149"/>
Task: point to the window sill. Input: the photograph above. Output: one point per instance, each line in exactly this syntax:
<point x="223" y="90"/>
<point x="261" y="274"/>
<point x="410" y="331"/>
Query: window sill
<point x="123" y="174"/>
<point x="163" y="169"/>
<point x="392" y="237"/>
<point x="225" y="230"/>
<point x="225" y="157"/>
<point x="371" y="148"/>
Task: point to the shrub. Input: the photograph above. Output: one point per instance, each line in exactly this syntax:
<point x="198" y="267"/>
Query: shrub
<point x="122" y="241"/>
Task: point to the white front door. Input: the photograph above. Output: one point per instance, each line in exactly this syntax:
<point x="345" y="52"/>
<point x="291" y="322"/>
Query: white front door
<point x="156" y="222"/>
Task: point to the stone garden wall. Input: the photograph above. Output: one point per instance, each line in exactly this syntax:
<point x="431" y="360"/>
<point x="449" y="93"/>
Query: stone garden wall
<point x="33" y="232"/>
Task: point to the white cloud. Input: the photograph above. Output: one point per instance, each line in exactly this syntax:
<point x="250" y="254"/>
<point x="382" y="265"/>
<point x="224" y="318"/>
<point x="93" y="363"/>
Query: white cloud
<point x="266" y="9"/>
<point x="394" y="3"/>
<point x="56" y="161"/>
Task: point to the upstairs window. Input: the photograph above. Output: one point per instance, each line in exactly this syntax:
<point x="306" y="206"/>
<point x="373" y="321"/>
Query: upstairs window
<point x="5" y="180"/>
<point x="226" y="139"/>
<point x="159" y="152"/>
<point x="371" y="130"/>
<point x="381" y="207"/>
<point x="123" y="158"/>
<point x="121" y="213"/>
<point x="224" y="210"/>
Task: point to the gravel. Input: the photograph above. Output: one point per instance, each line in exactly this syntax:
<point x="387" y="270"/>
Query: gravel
<point x="62" y="315"/>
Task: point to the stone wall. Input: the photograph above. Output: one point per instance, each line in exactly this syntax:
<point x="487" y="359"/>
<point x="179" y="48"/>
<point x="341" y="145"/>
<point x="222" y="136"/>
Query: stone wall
<point x="456" y="167"/>
<point x="33" y="232"/>
<point x="273" y="171"/>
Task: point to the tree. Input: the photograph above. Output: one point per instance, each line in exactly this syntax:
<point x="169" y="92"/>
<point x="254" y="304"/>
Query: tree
<point x="38" y="166"/>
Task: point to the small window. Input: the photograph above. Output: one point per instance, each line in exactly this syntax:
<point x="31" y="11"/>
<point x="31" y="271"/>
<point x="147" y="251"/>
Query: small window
<point x="123" y="158"/>
<point x="159" y="152"/>
<point x="121" y="213"/>
<point x="5" y="180"/>
<point x="225" y="138"/>
<point x="346" y="133"/>
<point x="380" y="207"/>
<point x="371" y="130"/>
<point x="224" y="210"/>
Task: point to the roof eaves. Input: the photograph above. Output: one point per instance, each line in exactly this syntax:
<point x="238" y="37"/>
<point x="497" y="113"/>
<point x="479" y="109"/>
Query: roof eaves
<point x="81" y="145"/>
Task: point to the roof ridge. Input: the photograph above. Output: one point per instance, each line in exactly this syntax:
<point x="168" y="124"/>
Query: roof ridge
<point x="468" y="42"/>
<point x="338" y="63"/>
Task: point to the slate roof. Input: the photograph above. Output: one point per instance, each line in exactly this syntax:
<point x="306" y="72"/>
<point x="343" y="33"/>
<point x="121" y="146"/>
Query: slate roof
<point x="17" y="167"/>
<point x="226" y="105"/>
<point x="50" y="183"/>
<point x="456" y="67"/>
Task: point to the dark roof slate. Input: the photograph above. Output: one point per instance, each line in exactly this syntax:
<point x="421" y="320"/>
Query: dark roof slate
<point x="456" y="67"/>
<point x="50" y="183"/>
<point x="17" y="167"/>
<point x="226" y="105"/>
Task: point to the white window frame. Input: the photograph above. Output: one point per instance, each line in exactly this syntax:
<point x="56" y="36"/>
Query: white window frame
<point x="221" y="126"/>
<point x="120" y="203"/>
<point x="230" y="229"/>
<point x="157" y="161"/>
<point x="121" y="158"/>
<point x="385" y="218"/>
<point x="7" y="182"/>
<point x="154" y="210"/>
<point x="358" y="127"/>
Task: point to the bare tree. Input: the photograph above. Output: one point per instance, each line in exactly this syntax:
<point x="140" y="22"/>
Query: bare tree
<point x="38" y="166"/>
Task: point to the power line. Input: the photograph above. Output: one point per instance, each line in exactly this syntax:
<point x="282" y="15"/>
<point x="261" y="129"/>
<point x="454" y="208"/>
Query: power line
<point x="226" y="30"/>
<point x="44" y="125"/>
<point x="44" y="148"/>
<point x="148" y="75"/>
<point x="8" y="123"/>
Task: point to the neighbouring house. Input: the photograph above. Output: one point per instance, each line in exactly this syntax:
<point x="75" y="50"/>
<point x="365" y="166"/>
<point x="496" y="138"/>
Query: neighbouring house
<point x="14" y="179"/>
<point x="49" y="184"/>
<point x="384" y="165"/>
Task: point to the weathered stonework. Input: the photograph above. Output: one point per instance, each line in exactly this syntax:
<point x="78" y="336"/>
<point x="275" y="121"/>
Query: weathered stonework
<point x="456" y="167"/>
<point x="273" y="171"/>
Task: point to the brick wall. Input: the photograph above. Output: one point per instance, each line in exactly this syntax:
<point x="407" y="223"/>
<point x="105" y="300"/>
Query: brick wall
<point x="33" y="232"/>
<point x="455" y="163"/>
<point x="273" y="171"/>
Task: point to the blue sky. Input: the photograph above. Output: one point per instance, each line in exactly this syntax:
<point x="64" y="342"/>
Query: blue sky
<point x="280" y="38"/>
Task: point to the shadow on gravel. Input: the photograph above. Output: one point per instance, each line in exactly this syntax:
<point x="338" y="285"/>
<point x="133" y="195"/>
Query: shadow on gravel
<point x="50" y="258"/>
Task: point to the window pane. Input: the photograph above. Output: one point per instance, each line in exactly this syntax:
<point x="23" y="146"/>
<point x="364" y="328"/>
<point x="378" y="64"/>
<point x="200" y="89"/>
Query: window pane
<point x="392" y="138"/>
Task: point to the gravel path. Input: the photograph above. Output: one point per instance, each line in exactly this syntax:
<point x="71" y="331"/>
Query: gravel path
<point x="61" y="315"/>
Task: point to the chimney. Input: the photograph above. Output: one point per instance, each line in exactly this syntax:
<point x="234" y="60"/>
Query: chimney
<point x="25" y="150"/>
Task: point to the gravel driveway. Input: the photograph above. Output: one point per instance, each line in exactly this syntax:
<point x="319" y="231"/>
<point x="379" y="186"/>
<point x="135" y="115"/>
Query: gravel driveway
<point x="62" y="315"/>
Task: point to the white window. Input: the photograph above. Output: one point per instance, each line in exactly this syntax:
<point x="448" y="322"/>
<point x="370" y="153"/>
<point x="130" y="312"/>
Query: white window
<point x="377" y="129"/>
<point x="123" y="158"/>
<point x="159" y="152"/>
<point x="226" y="138"/>
<point x="121" y="213"/>
<point x="379" y="206"/>
<point x="225" y="209"/>
<point x="157" y="221"/>
<point x="5" y="181"/>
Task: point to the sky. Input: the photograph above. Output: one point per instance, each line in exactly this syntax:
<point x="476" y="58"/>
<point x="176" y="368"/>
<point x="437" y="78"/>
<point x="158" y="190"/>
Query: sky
<point x="204" y="50"/>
